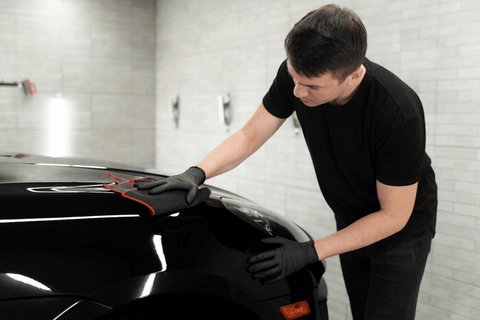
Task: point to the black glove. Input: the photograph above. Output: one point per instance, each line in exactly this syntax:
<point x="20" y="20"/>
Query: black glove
<point x="188" y="181"/>
<point x="288" y="258"/>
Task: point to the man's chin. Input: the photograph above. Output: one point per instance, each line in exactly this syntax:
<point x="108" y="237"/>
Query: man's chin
<point x="310" y="103"/>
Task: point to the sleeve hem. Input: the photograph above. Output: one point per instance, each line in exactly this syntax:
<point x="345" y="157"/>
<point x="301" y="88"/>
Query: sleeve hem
<point x="280" y="115"/>
<point x="398" y="182"/>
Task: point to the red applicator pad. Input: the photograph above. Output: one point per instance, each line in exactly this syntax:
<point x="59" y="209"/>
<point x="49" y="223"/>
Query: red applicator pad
<point x="158" y="204"/>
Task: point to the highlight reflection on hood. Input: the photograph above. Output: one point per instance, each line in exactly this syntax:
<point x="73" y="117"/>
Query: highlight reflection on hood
<point x="27" y="280"/>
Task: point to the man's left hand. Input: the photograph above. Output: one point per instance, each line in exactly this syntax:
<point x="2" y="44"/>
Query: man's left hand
<point x="290" y="257"/>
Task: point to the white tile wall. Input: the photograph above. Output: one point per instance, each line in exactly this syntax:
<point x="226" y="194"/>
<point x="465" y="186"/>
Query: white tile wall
<point x="211" y="47"/>
<point x="100" y="55"/>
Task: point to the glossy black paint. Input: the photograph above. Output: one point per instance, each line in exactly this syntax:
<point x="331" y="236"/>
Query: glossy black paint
<point x="71" y="249"/>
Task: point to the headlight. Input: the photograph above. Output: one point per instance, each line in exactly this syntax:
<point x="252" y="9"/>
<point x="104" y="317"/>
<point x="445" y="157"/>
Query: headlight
<point x="258" y="218"/>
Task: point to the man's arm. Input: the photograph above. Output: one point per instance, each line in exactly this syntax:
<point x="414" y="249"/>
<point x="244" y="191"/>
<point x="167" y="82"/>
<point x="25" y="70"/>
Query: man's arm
<point x="239" y="146"/>
<point x="229" y="154"/>
<point x="396" y="206"/>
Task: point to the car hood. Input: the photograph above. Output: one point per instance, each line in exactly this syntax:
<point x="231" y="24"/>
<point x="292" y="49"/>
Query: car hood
<point x="44" y="178"/>
<point x="19" y="168"/>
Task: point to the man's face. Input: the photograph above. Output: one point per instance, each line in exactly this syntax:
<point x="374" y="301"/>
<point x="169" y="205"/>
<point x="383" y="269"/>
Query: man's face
<point x="318" y="90"/>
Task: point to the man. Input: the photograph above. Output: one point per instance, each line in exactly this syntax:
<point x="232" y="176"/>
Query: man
<point x="365" y="131"/>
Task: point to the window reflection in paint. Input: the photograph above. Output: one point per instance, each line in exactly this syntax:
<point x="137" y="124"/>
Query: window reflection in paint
<point x="28" y="280"/>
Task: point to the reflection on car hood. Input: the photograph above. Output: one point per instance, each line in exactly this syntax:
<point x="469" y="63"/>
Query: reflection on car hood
<point x="12" y="157"/>
<point x="23" y="168"/>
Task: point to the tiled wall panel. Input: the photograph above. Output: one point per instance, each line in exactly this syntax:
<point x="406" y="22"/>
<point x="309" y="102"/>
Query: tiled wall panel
<point x="100" y="55"/>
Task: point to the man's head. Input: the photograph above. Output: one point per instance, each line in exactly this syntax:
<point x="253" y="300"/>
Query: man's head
<point x="328" y="40"/>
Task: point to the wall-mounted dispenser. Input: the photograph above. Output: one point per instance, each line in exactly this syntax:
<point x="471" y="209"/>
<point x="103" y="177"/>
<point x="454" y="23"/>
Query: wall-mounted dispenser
<point x="175" y="109"/>
<point x="224" y="110"/>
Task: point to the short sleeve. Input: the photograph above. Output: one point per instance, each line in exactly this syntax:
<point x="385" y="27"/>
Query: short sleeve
<point x="400" y="153"/>
<point x="279" y="98"/>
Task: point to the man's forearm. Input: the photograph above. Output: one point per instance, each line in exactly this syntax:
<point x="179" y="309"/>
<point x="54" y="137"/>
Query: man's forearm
<point x="239" y="146"/>
<point x="229" y="154"/>
<point x="364" y="232"/>
<point x="396" y="208"/>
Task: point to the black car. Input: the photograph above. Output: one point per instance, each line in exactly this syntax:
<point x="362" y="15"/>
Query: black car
<point x="70" y="248"/>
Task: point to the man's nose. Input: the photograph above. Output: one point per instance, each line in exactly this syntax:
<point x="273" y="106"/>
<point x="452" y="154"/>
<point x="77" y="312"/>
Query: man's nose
<point x="300" y="92"/>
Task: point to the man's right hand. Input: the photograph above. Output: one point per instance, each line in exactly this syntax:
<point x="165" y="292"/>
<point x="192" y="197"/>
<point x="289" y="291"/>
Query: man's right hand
<point x="189" y="181"/>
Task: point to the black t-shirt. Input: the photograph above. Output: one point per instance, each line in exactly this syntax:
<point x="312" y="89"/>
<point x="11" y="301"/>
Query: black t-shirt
<point x="378" y="135"/>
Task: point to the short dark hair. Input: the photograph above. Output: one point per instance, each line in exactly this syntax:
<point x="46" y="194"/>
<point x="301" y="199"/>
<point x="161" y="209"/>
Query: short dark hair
<point x="329" y="39"/>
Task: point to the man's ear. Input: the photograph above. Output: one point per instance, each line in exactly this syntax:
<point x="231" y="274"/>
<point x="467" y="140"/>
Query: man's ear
<point x="355" y="76"/>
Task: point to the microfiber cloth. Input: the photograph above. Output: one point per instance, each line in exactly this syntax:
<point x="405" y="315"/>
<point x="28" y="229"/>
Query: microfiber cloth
<point x="158" y="204"/>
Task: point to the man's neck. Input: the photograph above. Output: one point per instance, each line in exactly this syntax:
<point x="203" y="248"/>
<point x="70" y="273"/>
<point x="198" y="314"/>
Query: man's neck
<point x="340" y="101"/>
